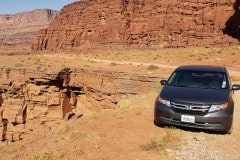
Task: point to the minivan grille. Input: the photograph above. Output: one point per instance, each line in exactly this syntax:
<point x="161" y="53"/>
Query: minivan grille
<point x="190" y="108"/>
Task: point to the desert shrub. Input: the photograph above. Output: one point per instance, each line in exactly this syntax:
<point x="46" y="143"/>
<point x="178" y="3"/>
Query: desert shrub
<point x="113" y="64"/>
<point x="153" y="145"/>
<point x="18" y="65"/>
<point x="152" y="67"/>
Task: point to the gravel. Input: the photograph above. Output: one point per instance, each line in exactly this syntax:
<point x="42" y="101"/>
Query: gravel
<point x="198" y="145"/>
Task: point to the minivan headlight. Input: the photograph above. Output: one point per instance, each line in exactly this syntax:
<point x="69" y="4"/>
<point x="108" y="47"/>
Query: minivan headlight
<point x="163" y="101"/>
<point x="218" y="107"/>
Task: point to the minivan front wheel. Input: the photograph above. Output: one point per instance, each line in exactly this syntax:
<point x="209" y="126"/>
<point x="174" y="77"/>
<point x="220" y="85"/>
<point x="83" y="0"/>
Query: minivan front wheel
<point x="158" y="124"/>
<point x="230" y="130"/>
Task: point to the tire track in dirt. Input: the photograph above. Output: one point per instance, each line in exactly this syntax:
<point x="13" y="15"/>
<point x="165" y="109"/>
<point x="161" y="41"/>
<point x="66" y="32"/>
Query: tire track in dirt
<point x="128" y="63"/>
<point x="232" y="72"/>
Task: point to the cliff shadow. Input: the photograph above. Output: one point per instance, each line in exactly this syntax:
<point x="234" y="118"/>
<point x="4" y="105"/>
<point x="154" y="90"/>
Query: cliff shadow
<point x="233" y="24"/>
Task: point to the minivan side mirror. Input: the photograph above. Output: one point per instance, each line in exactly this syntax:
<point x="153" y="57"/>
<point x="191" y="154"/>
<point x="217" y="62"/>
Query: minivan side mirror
<point x="236" y="87"/>
<point x="163" y="82"/>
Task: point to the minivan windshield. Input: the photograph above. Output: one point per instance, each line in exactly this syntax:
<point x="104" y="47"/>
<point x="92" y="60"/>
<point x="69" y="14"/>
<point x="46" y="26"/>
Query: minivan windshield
<point x="198" y="79"/>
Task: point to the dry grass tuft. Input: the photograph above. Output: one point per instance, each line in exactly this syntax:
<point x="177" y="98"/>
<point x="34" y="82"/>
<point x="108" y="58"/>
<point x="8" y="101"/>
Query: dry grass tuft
<point x="136" y="104"/>
<point x="169" y="140"/>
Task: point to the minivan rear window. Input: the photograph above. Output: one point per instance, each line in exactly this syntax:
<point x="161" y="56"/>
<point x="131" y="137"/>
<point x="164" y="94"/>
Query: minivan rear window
<point x="198" y="79"/>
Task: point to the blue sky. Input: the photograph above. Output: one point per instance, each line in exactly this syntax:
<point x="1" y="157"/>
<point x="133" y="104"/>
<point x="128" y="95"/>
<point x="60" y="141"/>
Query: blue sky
<point x="15" y="6"/>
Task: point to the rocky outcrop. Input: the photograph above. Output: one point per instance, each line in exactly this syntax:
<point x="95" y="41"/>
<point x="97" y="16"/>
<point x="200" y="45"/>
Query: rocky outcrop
<point x="141" y="24"/>
<point x="28" y="98"/>
<point x="103" y="88"/>
<point x="21" y="27"/>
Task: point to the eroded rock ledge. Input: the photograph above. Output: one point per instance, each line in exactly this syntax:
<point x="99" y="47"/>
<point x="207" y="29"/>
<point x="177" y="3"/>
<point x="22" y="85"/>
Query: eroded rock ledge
<point x="42" y="97"/>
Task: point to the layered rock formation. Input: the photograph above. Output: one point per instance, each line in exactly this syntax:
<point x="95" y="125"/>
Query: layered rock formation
<point x="21" y="27"/>
<point x="29" y="99"/>
<point x="102" y="88"/>
<point x="141" y="23"/>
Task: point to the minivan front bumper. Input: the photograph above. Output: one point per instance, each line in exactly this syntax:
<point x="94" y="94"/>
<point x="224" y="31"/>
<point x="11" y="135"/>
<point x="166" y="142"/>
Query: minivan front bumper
<point x="216" y="121"/>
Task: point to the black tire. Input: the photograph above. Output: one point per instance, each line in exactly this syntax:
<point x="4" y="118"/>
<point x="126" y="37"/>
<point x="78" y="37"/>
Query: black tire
<point x="230" y="130"/>
<point x="158" y="124"/>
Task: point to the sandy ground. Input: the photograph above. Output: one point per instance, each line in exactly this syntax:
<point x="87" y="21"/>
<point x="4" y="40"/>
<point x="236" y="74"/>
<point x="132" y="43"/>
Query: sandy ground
<point x="127" y="132"/>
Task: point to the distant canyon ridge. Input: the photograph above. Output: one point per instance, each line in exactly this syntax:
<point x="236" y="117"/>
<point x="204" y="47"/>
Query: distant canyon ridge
<point x="22" y="27"/>
<point x="89" y="24"/>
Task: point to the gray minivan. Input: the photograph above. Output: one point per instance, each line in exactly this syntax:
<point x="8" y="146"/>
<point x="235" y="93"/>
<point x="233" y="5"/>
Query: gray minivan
<point x="197" y="96"/>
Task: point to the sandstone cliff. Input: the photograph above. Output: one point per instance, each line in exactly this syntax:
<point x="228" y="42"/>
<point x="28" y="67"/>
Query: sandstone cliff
<point x="141" y="23"/>
<point x="21" y="27"/>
